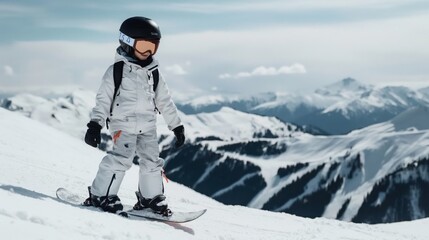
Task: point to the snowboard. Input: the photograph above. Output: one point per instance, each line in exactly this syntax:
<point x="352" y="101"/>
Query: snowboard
<point x="177" y="217"/>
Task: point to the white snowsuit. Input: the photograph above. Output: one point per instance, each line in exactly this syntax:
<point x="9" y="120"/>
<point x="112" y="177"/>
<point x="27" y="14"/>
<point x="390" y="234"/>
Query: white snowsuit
<point x="133" y="125"/>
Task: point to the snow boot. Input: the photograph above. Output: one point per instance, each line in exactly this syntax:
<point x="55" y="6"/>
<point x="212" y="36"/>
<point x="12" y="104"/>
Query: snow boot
<point x="110" y="204"/>
<point x="157" y="204"/>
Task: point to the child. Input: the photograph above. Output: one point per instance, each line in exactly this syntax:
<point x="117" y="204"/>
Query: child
<point x="131" y="118"/>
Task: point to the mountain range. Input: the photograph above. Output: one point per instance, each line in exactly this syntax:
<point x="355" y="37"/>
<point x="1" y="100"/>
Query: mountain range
<point x="334" y="109"/>
<point x="374" y="174"/>
<point x="36" y="159"/>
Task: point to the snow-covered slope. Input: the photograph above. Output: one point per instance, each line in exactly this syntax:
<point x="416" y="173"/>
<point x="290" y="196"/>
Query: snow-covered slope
<point x="424" y="91"/>
<point x="413" y="118"/>
<point x="69" y="114"/>
<point x="200" y="104"/>
<point x="231" y="124"/>
<point x="36" y="159"/>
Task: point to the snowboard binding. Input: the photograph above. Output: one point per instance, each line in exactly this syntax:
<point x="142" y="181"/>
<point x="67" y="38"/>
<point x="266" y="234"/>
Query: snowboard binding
<point x="108" y="203"/>
<point x="157" y="204"/>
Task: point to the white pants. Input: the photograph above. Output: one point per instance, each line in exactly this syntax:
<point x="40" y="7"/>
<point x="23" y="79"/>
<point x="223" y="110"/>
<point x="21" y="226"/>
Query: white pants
<point x="113" y="166"/>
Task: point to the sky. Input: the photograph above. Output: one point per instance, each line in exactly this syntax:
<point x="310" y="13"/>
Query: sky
<point x="219" y="47"/>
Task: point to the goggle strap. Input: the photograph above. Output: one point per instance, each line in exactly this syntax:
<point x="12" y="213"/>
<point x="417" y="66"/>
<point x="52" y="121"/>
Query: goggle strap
<point x="126" y="39"/>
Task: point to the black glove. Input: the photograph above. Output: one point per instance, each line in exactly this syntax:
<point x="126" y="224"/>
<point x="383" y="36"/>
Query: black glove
<point x="179" y="132"/>
<point x="92" y="136"/>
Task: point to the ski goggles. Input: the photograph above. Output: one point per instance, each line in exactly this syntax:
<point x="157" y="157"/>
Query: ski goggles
<point x="140" y="45"/>
<point x="143" y="46"/>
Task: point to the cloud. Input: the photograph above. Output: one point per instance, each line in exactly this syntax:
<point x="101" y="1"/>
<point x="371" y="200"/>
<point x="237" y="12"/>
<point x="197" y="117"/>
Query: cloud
<point x="278" y="5"/>
<point x="8" y="70"/>
<point x="55" y="63"/>
<point x="11" y="9"/>
<point x="296" y="68"/>
<point x="62" y="66"/>
<point x="176" y="69"/>
<point x="103" y="26"/>
<point x="369" y="51"/>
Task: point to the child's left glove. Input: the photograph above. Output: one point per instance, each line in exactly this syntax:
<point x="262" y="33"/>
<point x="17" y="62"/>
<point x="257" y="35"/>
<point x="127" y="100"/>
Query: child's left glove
<point x="179" y="132"/>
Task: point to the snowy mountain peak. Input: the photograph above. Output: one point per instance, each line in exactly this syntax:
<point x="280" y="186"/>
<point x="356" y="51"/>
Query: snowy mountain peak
<point x="347" y="88"/>
<point x="348" y="81"/>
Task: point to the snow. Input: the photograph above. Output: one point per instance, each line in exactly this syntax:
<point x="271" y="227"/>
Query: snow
<point x="348" y="97"/>
<point x="36" y="159"/>
<point x="424" y="91"/>
<point x="26" y="103"/>
<point x="383" y="148"/>
<point x="201" y="101"/>
<point x="331" y="96"/>
<point x="385" y="98"/>
<point x="67" y="114"/>
<point x="294" y="100"/>
<point x="346" y="88"/>
<point x="230" y="124"/>
<point x="413" y="118"/>
<point x="206" y="100"/>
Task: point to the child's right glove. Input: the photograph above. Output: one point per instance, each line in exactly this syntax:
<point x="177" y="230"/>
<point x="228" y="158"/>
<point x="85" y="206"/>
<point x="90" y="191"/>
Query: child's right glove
<point x="179" y="132"/>
<point x="93" y="136"/>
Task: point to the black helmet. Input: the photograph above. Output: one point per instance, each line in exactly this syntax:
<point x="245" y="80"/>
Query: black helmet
<point x="137" y="28"/>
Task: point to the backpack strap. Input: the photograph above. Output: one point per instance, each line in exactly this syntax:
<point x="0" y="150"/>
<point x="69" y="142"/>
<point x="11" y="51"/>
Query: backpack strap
<point x="118" y="69"/>
<point x="155" y="74"/>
